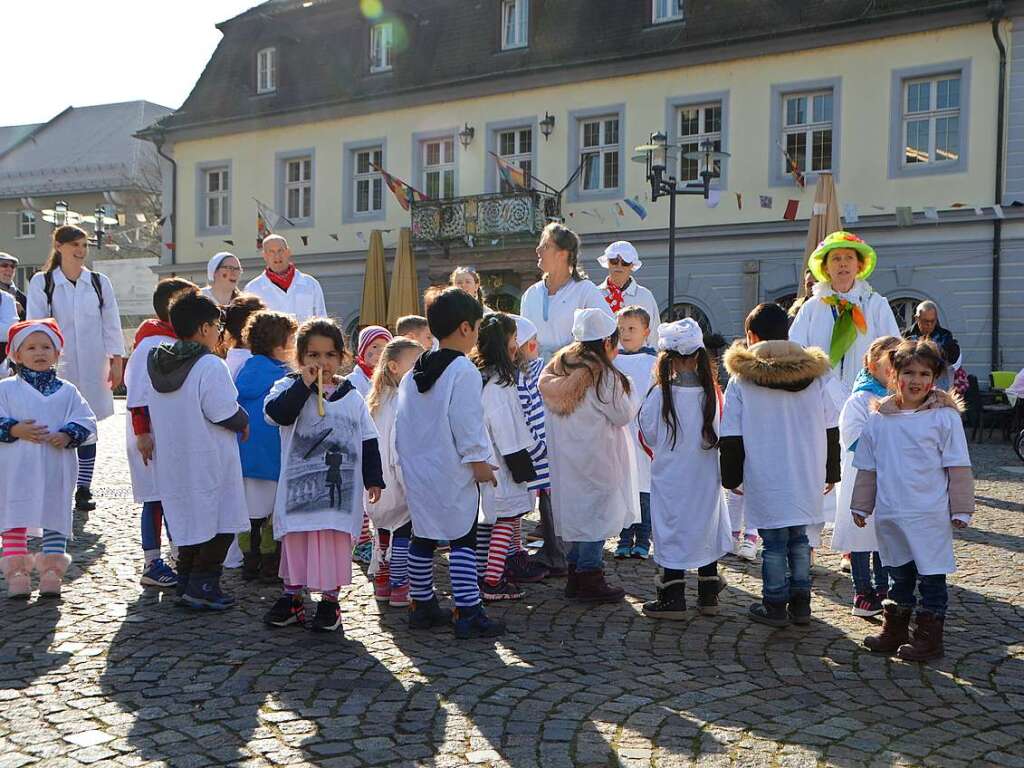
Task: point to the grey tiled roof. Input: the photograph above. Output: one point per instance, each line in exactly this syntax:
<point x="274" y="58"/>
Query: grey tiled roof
<point x="82" y="149"/>
<point x="323" y="46"/>
<point x="12" y="134"/>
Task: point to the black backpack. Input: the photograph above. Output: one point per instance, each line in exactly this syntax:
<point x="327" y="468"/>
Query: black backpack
<point x="48" y="289"/>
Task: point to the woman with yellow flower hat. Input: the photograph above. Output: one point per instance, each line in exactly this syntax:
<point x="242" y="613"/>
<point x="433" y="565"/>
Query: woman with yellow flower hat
<point x="844" y="314"/>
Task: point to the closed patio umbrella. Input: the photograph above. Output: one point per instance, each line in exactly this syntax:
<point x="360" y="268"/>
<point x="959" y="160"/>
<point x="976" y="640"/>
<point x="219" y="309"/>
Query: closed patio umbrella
<point x="374" y="309"/>
<point x="821" y="224"/>
<point x="404" y="298"/>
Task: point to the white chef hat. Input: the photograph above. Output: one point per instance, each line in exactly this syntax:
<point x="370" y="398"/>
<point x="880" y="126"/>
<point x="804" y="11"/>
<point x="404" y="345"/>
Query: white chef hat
<point x="215" y="262"/>
<point x="683" y="336"/>
<point x="620" y="249"/>
<point x="592" y="325"/>
<point x="525" y="329"/>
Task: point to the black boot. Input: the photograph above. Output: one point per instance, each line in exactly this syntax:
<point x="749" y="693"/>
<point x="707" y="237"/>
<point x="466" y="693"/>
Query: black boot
<point x="800" y="607"/>
<point x="83" y="500"/>
<point x="428" y="614"/>
<point x="251" y="563"/>
<point x="772" y="614"/>
<point x="671" y="602"/>
<point x="708" y="589"/>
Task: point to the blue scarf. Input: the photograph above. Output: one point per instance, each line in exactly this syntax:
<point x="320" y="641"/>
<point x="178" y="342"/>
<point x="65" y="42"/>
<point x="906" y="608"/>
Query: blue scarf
<point x="865" y="382"/>
<point x="44" y="382"/>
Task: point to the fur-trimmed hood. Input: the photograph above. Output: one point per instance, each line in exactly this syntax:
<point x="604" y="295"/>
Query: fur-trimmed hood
<point x="937" y="398"/>
<point x="563" y="390"/>
<point x="777" y="364"/>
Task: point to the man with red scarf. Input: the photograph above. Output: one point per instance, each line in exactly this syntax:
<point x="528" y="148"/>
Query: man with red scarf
<point x="282" y="287"/>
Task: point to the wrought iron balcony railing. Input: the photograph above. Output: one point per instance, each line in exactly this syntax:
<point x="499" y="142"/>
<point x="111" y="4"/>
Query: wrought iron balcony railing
<point x="471" y="220"/>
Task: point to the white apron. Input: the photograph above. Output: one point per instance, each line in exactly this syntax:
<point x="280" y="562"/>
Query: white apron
<point x="639" y="367"/>
<point x="198" y="470"/>
<point x="140" y="389"/>
<point x="910" y="452"/>
<point x="847" y="537"/>
<point x="37" y="480"/>
<point x="593" y="473"/>
<point x="391" y="511"/>
<point x="689" y="517"/>
<point x="91" y="337"/>
<point x="506" y="427"/>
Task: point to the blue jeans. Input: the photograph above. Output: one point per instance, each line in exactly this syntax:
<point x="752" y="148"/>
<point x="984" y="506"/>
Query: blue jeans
<point x="639" y="534"/>
<point x="785" y="562"/>
<point x="869" y="575"/>
<point x="586" y="555"/>
<point x="934" y="595"/>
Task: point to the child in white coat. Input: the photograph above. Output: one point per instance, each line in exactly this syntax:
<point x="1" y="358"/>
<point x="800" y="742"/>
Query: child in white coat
<point x="593" y="474"/>
<point x="914" y="476"/>
<point x="390" y="515"/>
<point x="502" y="505"/>
<point x="41" y="417"/>
<point x="679" y="423"/>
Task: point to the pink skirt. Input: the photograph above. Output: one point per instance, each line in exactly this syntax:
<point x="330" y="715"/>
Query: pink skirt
<point x="317" y="560"/>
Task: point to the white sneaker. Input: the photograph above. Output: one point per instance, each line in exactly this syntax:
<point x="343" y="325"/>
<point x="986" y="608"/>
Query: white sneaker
<point x="844" y="565"/>
<point x="747" y="550"/>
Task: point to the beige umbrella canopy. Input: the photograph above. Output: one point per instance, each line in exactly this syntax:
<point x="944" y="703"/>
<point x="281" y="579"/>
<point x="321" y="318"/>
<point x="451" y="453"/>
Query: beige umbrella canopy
<point x="374" y="309"/>
<point x="404" y="298"/>
<point x="821" y="224"/>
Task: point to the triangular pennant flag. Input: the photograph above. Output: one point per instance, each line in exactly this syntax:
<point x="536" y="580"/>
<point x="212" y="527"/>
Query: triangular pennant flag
<point x="305" y="239"/>
<point x="791" y="210"/>
<point x="932" y="214"/>
<point x="334" y="236"/>
<point x="979" y="211"/>
<point x="818" y="209"/>
<point x="714" y="196"/>
<point x="169" y="246"/>
<point x="739" y="201"/>
<point x="1016" y="204"/>
<point x="904" y="216"/>
<point x="998" y="211"/>
<point x="766" y="201"/>
<point x="958" y="205"/>
<point x="850" y="215"/>
<point x="635" y="207"/>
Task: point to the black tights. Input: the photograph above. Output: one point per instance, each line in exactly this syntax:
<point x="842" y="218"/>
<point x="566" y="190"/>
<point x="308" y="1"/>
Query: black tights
<point x="207" y="557"/>
<point x="671" y="574"/>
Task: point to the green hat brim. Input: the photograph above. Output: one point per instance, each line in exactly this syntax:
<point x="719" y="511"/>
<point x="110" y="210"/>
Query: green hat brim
<point x="816" y="262"/>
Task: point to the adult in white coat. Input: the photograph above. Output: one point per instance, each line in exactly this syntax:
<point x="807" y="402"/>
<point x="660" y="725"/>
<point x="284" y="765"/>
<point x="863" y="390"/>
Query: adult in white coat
<point x="621" y="289"/>
<point x="8" y="317"/>
<point x="284" y="288"/>
<point x="222" y="273"/>
<point x="84" y="306"/>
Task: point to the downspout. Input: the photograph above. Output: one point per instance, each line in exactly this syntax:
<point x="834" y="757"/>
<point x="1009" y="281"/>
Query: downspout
<point x="996" y="12"/>
<point x="158" y="142"/>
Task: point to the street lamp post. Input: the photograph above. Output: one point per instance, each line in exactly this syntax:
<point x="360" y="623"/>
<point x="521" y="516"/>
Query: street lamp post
<point x="655" y="156"/>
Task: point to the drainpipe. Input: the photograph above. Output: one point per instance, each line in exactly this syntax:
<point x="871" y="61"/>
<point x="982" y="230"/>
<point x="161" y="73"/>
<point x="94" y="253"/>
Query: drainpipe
<point x="996" y="12"/>
<point x="158" y="142"/>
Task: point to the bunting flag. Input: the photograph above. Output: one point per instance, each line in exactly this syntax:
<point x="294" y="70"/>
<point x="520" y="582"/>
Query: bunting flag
<point x="230" y="242"/>
<point x="998" y="211"/>
<point x="304" y="239"/>
<point x="714" y="197"/>
<point x="931" y="214"/>
<point x="334" y="236"/>
<point x="510" y="174"/>
<point x="262" y="228"/>
<point x="635" y="207"/>
<point x="979" y="211"/>
<point x="766" y="201"/>
<point x="850" y="215"/>
<point x="791" y="210"/>
<point x="405" y="194"/>
<point x="904" y="216"/>
<point x="818" y="209"/>
<point x="739" y="201"/>
<point x="794" y="169"/>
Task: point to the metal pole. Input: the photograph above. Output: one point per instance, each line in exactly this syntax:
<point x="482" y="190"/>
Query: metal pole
<point x="671" y="252"/>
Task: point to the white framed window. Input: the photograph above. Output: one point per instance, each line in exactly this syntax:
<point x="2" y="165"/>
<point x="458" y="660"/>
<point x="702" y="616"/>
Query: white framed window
<point x="367" y="184"/>
<point x="599" y="154"/>
<point x="666" y="10"/>
<point x="216" y="198"/>
<point x="381" y="43"/>
<point x="931" y="120"/>
<point x="439" y="168"/>
<point x="807" y="130"/>
<point x="697" y="124"/>
<point x="903" y="308"/>
<point x="298" y="188"/>
<point x="26" y="224"/>
<point x="266" y="70"/>
<point x="516" y="146"/>
<point x="515" y="15"/>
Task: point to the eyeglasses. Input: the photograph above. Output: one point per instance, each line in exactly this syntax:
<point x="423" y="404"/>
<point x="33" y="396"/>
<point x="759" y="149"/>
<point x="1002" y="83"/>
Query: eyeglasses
<point x="233" y="270"/>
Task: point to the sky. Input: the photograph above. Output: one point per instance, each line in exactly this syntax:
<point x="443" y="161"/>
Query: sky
<point x="123" y="50"/>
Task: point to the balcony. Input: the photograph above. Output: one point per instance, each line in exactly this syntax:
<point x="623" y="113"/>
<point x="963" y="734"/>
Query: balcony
<point x="480" y="219"/>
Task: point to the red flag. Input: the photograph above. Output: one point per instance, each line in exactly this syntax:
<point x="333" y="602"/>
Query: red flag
<point x="791" y="208"/>
<point x="404" y="193"/>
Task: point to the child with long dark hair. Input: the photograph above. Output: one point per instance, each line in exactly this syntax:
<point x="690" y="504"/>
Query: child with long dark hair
<point x="593" y="476"/>
<point x="679" y="423"/>
<point x="511" y="442"/>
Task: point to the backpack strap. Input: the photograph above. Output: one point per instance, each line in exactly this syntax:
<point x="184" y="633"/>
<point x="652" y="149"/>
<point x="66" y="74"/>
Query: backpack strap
<point x="94" y="277"/>
<point x="97" y="286"/>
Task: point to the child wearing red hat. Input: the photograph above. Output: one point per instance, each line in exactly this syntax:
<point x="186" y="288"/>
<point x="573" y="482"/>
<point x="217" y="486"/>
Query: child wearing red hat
<point x="40" y="417"/>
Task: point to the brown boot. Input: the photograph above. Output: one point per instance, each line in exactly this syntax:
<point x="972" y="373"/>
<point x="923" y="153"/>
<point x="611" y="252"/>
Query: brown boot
<point x="592" y="588"/>
<point x="895" y="630"/>
<point x="571" y="583"/>
<point x="927" y="642"/>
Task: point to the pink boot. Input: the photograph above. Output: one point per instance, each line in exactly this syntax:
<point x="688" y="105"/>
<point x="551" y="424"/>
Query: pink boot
<point x="17" y="569"/>
<point x="51" y="573"/>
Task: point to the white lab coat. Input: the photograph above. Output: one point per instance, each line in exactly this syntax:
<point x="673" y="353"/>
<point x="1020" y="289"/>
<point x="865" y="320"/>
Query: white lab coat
<point x="847" y="537"/>
<point x="91" y="337"/>
<point x="910" y="452"/>
<point x="198" y="469"/>
<point x="634" y="293"/>
<point x="689" y="517"/>
<point x="8" y="314"/>
<point x="360" y="381"/>
<point x="508" y="432"/>
<point x="438" y="433"/>
<point x="639" y="366"/>
<point x="392" y="511"/>
<point x="813" y="326"/>
<point x="593" y="473"/>
<point x="304" y="298"/>
<point x="37" y="480"/>
<point x="553" y="314"/>
<point x="140" y="390"/>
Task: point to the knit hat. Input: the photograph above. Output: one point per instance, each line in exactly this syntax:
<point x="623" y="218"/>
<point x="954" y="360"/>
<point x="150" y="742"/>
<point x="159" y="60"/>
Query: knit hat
<point x="20" y="331"/>
<point x="816" y="261"/>
<point x="525" y="329"/>
<point x="216" y="261"/>
<point x="620" y="249"/>
<point x="592" y="325"/>
<point x="683" y="336"/>
<point x="368" y="335"/>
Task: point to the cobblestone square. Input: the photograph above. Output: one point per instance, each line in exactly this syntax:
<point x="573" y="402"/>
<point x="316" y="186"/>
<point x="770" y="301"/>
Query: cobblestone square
<point x="118" y="675"/>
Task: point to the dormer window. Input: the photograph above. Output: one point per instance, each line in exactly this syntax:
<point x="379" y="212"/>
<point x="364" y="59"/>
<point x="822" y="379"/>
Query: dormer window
<point x="514" y="23"/>
<point x="381" y="42"/>
<point x="266" y="70"/>
<point x="666" y="10"/>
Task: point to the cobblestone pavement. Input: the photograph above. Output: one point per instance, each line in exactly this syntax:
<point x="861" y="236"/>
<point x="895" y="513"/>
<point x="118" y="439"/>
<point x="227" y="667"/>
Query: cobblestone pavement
<point x="118" y="675"/>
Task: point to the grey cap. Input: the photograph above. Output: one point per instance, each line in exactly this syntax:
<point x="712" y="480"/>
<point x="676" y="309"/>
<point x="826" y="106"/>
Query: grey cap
<point x="7" y="257"/>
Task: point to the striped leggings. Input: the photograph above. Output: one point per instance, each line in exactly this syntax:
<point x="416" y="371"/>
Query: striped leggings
<point x="15" y="542"/>
<point x="495" y="544"/>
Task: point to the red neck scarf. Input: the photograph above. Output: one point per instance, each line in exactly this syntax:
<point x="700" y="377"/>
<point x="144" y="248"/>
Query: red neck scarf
<point x="154" y="327"/>
<point x="367" y="369"/>
<point x="614" y="298"/>
<point x="283" y="280"/>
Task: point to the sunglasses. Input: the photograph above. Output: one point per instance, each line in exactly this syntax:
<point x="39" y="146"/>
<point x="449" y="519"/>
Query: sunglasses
<point x="617" y="262"/>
